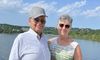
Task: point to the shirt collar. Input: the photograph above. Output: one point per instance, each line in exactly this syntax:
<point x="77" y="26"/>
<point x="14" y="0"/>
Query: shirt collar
<point x="34" y="33"/>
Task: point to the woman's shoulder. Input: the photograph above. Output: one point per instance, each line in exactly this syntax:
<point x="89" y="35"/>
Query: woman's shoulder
<point x="74" y="43"/>
<point x="52" y="40"/>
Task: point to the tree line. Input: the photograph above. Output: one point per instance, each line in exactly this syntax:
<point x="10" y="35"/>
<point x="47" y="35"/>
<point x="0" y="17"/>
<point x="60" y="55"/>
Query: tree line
<point x="82" y="33"/>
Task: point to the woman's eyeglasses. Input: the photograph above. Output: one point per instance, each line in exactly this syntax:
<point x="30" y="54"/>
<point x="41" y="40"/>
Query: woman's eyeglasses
<point x="40" y="20"/>
<point x="66" y="26"/>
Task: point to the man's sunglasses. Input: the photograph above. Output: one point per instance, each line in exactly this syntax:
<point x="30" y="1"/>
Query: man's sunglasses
<point x="66" y="26"/>
<point x="40" y="20"/>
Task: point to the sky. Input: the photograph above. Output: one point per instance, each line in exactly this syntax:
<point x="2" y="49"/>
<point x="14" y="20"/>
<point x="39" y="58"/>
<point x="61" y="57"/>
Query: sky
<point x="85" y="13"/>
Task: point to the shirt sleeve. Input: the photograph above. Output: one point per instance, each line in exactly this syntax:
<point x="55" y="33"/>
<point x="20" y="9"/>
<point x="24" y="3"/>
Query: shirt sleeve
<point x="14" y="54"/>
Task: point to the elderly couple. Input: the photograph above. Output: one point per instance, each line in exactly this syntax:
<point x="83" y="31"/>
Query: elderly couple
<point x="33" y="44"/>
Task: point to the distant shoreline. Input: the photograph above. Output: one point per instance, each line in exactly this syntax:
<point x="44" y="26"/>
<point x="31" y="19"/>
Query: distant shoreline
<point x="83" y="33"/>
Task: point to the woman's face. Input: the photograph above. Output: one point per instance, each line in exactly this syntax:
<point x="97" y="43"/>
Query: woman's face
<point x="64" y="27"/>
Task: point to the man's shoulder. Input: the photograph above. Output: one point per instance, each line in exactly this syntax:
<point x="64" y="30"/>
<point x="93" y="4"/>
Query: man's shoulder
<point x="25" y="38"/>
<point x="23" y="35"/>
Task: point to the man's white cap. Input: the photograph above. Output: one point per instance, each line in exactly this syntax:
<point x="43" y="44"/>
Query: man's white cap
<point x="36" y="12"/>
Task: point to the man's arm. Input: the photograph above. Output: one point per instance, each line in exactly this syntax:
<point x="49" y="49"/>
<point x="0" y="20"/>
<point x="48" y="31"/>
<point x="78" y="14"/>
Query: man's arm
<point x="14" y="54"/>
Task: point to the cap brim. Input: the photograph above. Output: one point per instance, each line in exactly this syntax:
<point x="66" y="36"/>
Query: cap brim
<point x="40" y="15"/>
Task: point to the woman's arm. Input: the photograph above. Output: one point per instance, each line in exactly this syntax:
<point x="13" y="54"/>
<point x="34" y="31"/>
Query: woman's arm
<point x="78" y="53"/>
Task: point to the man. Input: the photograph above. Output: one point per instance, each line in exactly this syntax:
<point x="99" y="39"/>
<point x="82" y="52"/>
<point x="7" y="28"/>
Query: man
<point x="32" y="45"/>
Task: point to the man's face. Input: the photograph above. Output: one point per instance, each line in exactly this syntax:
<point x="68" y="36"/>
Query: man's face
<point x="37" y="24"/>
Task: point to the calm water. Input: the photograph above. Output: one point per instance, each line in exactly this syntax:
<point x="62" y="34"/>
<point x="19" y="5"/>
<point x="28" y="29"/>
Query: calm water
<point x="90" y="49"/>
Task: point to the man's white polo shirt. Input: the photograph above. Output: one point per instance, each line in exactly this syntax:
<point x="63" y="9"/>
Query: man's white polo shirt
<point x="29" y="46"/>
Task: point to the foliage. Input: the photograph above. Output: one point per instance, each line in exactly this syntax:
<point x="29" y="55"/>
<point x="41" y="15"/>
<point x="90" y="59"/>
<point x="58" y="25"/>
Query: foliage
<point x="83" y="33"/>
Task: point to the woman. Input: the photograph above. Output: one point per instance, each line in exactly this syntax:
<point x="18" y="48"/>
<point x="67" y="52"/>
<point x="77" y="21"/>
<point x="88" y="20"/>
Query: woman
<point x="64" y="47"/>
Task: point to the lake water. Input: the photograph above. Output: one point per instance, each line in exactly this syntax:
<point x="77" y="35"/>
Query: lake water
<point x="90" y="49"/>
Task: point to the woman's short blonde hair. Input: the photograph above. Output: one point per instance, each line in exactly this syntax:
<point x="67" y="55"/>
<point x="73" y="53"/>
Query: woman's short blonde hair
<point x="65" y="17"/>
